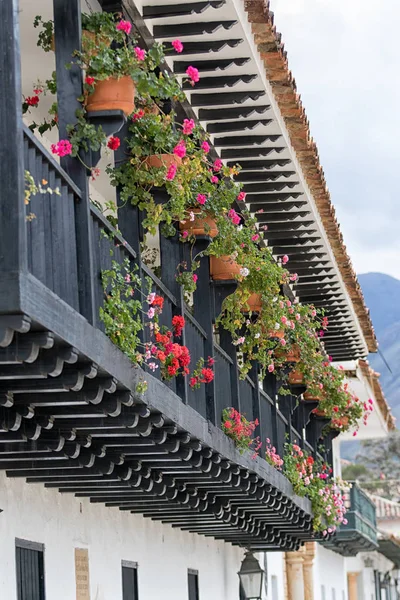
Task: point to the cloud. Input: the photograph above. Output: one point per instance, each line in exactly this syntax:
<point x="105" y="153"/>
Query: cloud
<point x="345" y="58"/>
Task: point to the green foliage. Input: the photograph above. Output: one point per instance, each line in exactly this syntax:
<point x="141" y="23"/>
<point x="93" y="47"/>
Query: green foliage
<point x="121" y="312"/>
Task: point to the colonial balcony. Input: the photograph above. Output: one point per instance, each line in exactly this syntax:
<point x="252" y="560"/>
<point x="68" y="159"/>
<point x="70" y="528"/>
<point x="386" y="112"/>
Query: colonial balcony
<point x="72" y="415"/>
<point x="361" y="533"/>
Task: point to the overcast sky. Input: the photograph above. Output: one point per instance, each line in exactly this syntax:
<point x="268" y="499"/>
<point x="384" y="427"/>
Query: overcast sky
<point x="345" y="57"/>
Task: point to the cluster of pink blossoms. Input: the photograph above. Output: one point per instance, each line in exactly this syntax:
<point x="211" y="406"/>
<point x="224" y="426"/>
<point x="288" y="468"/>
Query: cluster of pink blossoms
<point x="62" y="148"/>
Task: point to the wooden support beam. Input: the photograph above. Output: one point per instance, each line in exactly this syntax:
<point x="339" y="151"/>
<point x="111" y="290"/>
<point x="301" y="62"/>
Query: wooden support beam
<point x="13" y="238"/>
<point x="67" y="33"/>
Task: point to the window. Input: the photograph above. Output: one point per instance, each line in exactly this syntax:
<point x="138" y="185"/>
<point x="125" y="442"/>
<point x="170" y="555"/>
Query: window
<point x="333" y="594"/>
<point x="30" y="570"/>
<point x="193" y="584"/>
<point x="129" y="580"/>
<point x="323" y="595"/>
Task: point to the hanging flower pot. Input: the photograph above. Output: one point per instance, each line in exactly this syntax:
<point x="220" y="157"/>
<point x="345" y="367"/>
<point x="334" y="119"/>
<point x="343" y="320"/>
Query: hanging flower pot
<point x="223" y="268"/>
<point x="113" y="94"/>
<point x="296" y="377"/>
<point x="292" y="355"/>
<point x="253" y="304"/>
<point x="202" y="224"/>
<point x="87" y="36"/>
<point x="162" y="160"/>
<point x="311" y="397"/>
<point x="276" y="334"/>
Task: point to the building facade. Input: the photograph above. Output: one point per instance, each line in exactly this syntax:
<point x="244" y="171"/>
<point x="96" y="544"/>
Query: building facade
<point x="112" y="489"/>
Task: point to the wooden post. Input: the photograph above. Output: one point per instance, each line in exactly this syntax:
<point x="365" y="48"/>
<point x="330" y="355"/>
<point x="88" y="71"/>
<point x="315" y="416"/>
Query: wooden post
<point x="67" y="30"/>
<point x="13" y="239"/>
<point x="204" y="313"/>
<point x="308" y="576"/>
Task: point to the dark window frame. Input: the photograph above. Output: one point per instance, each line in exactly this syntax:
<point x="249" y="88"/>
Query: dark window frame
<point x="133" y="566"/>
<point x="193" y="573"/>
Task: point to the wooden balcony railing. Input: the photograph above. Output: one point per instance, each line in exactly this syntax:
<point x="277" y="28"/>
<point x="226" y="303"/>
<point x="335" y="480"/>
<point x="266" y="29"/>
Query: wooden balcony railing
<point x="53" y="257"/>
<point x="360" y="533"/>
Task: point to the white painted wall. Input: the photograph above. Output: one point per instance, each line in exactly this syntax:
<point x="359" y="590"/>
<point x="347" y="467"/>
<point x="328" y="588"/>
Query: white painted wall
<point x="275" y="575"/>
<point x="62" y="522"/>
<point x="330" y="572"/>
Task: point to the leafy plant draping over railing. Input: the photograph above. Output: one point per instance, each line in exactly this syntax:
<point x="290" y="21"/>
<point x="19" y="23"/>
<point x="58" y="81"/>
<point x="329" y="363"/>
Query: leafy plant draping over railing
<point x="283" y="336"/>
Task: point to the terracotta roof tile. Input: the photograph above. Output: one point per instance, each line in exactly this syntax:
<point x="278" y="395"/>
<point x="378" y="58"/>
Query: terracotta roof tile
<point x="289" y="102"/>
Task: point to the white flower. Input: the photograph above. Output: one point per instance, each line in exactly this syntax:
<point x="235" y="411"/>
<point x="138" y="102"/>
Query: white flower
<point x="257" y="335"/>
<point x="277" y="326"/>
<point x="244" y="271"/>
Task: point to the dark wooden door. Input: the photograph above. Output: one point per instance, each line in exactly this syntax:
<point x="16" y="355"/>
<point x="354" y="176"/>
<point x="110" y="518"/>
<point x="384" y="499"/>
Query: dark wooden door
<point x="129" y="583"/>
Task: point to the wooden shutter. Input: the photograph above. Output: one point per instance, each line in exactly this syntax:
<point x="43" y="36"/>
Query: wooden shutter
<point x="30" y="570"/>
<point x="129" y="581"/>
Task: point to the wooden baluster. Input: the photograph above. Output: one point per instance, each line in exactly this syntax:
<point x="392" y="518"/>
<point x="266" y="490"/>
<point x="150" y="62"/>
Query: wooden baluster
<point x="13" y="239"/>
<point x="204" y="313"/>
<point x="223" y="289"/>
<point x="171" y="256"/>
<point x="67" y="30"/>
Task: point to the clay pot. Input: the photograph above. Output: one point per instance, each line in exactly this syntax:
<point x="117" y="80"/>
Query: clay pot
<point x="197" y="227"/>
<point x="87" y="35"/>
<point x="296" y="377"/>
<point x="162" y="160"/>
<point x="113" y="94"/>
<point x="277" y="334"/>
<point x="290" y="356"/>
<point x="253" y="304"/>
<point x="223" y="268"/>
<point x="311" y="397"/>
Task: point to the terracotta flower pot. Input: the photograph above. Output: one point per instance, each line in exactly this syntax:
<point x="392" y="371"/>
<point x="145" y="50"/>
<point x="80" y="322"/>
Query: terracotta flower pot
<point x="223" y="268"/>
<point x="113" y="94"/>
<point x="162" y="160"/>
<point x="87" y="35"/>
<point x="296" y="377"/>
<point x="311" y="397"/>
<point x="289" y="356"/>
<point x="253" y="304"/>
<point x="341" y="423"/>
<point x="203" y="224"/>
<point x="277" y="334"/>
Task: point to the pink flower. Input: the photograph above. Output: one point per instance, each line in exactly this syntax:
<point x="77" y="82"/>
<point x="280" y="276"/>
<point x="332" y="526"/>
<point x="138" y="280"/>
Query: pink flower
<point x="297" y="317"/>
<point x="194" y="277"/>
<point x="214" y="179"/>
<point x="205" y="146"/>
<point x="124" y="26"/>
<point x="140" y="53"/>
<point x="255" y="237"/>
<point x="234" y="217"/>
<point x="188" y="126"/>
<point x="62" y="148"/>
<point x="151" y="313"/>
<point x="171" y="173"/>
<point x="150" y="297"/>
<point x="201" y="198"/>
<point x="293" y="277"/>
<point x="177" y="45"/>
<point x="284" y="320"/>
<point x="285" y="259"/>
<point x="241" y="196"/>
<point x="218" y="164"/>
<point x="185" y="234"/>
<point x="193" y="74"/>
<point x="282" y="342"/>
<point x="265" y="227"/>
<point x="180" y="149"/>
<point x="127" y="278"/>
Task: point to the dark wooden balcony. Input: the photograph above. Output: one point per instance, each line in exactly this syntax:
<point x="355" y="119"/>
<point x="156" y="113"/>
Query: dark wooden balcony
<point x="71" y="416"/>
<point x="360" y="534"/>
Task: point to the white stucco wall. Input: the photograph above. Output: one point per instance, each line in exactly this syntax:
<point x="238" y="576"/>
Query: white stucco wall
<point x="329" y="572"/>
<point x="275" y="575"/>
<point x="62" y="522"/>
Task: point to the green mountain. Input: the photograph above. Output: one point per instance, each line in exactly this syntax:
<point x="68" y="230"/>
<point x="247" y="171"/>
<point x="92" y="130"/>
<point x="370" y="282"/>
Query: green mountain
<point x="382" y="294"/>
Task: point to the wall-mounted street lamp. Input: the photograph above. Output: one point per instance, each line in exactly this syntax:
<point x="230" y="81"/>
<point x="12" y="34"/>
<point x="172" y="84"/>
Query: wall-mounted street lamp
<point x="251" y="577"/>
